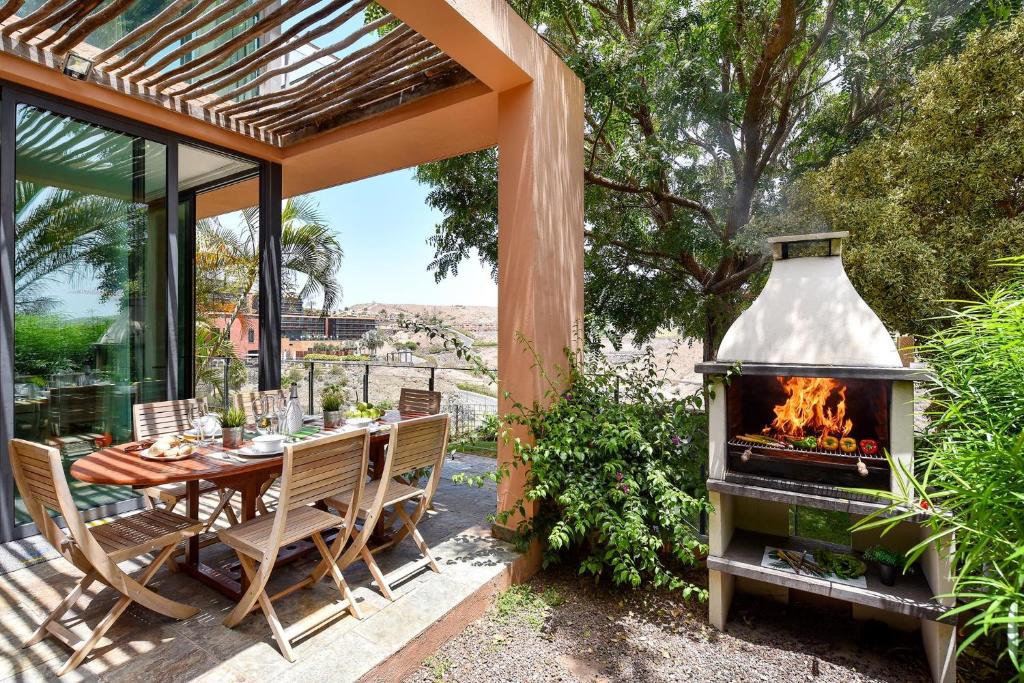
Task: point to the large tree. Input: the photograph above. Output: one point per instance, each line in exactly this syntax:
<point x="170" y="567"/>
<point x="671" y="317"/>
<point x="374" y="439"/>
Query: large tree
<point x="697" y="113"/>
<point x="931" y="205"/>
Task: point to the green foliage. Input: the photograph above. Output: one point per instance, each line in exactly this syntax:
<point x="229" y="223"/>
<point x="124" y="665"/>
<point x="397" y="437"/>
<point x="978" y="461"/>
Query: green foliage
<point x="232" y="417"/>
<point x="616" y="482"/>
<point x="48" y="344"/>
<point x="522" y="602"/>
<point x="696" y="116"/>
<point x="489" y="428"/>
<point x="970" y="475"/>
<point x="331" y="397"/>
<point x="884" y="556"/>
<point x="929" y="206"/>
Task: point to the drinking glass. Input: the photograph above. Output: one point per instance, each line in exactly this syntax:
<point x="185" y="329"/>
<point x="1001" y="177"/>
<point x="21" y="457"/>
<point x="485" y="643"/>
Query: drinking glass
<point x="259" y="411"/>
<point x="281" y="408"/>
<point x="197" y="414"/>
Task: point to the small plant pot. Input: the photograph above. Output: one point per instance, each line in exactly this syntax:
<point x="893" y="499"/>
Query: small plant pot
<point x="887" y="573"/>
<point x="333" y="419"/>
<point x="232" y="437"/>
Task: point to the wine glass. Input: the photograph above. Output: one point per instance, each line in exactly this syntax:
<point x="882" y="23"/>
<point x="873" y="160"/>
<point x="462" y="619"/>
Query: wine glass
<point x="260" y="408"/>
<point x="197" y="418"/>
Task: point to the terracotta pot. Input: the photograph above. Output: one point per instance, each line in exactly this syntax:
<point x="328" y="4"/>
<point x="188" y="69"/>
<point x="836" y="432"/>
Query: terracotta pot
<point x="232" y="437"/>
<point x="333" y="419"/>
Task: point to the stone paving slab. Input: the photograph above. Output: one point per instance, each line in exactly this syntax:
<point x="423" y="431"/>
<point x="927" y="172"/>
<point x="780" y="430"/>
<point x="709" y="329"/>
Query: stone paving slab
<point x="151" y="648"/>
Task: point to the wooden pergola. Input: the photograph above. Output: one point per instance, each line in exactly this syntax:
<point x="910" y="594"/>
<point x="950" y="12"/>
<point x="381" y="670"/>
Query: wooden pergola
<point x="321" y="93"/>
<point x="255" y="67"/>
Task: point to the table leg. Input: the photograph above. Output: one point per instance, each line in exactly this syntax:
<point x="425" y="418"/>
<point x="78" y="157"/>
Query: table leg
<point x="192" y="505"/>
<point x="377" y="453"/>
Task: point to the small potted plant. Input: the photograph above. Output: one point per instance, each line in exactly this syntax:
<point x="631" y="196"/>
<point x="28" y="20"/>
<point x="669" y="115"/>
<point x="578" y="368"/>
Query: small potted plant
<point x="889" y="562"/>
<point x="232" y="423"/>
<point x="330" y="401"/>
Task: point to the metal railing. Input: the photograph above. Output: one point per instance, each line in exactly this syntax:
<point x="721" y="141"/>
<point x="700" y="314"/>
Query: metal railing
<point x="367" y="381"/>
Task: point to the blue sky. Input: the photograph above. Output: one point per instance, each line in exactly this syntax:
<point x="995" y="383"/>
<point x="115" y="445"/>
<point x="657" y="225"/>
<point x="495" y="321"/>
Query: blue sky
<point x="383" y="224"/>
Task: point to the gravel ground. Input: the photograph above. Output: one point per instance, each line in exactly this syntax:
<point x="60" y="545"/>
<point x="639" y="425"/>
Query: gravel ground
<point x="564" y="628"/>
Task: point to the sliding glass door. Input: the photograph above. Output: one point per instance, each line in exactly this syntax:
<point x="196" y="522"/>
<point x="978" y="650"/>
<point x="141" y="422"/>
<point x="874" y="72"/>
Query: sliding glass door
<point x="90" y="281"/>
<point x="97" y="290"/>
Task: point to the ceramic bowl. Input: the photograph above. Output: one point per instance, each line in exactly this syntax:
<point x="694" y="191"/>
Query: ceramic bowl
<point x="268" y="443"/>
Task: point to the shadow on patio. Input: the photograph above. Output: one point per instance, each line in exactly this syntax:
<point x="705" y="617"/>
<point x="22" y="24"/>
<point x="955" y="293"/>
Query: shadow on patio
<point x="149" y="647"/>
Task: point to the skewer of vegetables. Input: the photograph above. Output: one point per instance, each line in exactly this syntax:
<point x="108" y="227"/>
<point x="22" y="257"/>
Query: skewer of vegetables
<point x="803" y="441"/>
<point x="761" y="440"/>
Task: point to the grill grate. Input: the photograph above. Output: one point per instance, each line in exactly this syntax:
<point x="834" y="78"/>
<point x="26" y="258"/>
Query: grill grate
<point x="870" y="460"/>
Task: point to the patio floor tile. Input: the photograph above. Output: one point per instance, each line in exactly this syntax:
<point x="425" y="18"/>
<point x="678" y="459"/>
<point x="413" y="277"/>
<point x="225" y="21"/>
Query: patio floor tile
<point x="150" y="648"/>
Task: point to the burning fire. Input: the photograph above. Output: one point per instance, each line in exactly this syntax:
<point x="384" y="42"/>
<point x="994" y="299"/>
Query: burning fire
<point x="814" y="406"/>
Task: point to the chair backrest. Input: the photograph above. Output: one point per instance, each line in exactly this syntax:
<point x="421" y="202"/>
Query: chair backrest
<point x="153" y="420"/>
<point x="39" y="474"/>
<point x="81" y="407"/>
<point x="419" y="401"/>
<point x="244" y="401"/>
<point x="318" y="468"/>
<point x="419" y="443"/>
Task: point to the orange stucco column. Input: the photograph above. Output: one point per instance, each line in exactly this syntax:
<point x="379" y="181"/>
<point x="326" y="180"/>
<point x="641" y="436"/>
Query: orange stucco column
<point x="540" y="241"/>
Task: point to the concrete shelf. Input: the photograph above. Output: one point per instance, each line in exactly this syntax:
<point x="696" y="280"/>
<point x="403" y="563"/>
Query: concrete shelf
<point x="911" y="595"/>
<point x="822" y="497"/>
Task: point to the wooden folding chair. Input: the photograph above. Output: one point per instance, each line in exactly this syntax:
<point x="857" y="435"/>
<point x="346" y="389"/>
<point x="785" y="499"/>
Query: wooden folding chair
<point x="414" y="444"/>
<point x="312" y="470"/>
<point x="419" y="402"/>
<point x="153" y="420"/>
<point x="95" y="551"/>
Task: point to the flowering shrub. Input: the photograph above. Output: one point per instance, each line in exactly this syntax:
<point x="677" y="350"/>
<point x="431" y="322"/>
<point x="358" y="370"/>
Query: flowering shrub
<point x="615" y="472"/>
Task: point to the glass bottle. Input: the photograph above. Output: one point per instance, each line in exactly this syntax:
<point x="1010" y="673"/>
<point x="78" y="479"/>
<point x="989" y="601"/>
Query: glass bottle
<point x="293" y="413"/>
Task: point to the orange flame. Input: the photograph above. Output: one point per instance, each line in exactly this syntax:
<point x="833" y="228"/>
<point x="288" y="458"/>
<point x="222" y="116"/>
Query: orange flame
<point x="815" y="405"/>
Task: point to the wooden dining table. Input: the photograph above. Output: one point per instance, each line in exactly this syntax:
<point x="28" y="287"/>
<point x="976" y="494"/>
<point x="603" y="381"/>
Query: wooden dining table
<point x="121" y="465"/>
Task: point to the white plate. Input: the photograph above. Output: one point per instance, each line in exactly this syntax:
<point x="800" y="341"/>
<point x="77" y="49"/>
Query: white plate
<point x="358" y="421"/>
<point x="160" y="458"/>
<point x="250" y="452"/>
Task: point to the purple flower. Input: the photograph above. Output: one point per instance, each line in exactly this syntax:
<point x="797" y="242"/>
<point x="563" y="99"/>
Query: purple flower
<point x="618" y="476"/>
<point x="625" y="488"/>
<point x="568" y="396"/>
<point x="676" y="441"/>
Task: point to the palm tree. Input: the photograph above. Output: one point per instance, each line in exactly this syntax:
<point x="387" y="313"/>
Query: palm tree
<point x="68" y="233"/>
<point x="227" y="273"/>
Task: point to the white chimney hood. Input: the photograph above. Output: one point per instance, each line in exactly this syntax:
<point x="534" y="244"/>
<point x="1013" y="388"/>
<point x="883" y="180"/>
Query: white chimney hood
<point x="809" y="314"/>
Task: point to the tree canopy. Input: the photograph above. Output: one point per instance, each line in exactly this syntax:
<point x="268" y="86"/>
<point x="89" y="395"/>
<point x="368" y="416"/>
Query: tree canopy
<point x="931" y="205"/>
<point x="698" y="114"/>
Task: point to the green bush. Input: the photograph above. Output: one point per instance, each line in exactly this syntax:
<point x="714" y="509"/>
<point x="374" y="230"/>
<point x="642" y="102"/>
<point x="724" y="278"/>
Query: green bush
<point x="617" y="483"/>
<point x="46" y="344"/>
<point x="970" y="462"/>
<point x="353" y="357"/>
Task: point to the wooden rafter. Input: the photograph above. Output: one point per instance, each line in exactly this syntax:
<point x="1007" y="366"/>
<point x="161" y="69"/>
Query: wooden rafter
<point x="214" y="60"/>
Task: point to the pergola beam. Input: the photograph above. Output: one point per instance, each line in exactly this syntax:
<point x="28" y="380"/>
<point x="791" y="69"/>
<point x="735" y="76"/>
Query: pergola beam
<point x="172" y="60"/>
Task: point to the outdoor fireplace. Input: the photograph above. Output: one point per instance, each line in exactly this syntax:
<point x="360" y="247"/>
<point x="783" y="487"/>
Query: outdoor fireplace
<point x="829" y="430"/>
<point x="816" y="391"/>
<point x="808" y="396"/>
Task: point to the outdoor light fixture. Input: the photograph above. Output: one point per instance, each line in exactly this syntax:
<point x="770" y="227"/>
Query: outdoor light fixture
<point x="77" y="67"/>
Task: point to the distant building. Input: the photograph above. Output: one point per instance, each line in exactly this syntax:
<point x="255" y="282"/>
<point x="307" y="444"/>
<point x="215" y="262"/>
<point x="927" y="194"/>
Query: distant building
<point x="297" y="324"/>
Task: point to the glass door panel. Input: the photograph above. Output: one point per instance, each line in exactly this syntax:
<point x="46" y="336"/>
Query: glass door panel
<point x="90" y="286"/>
